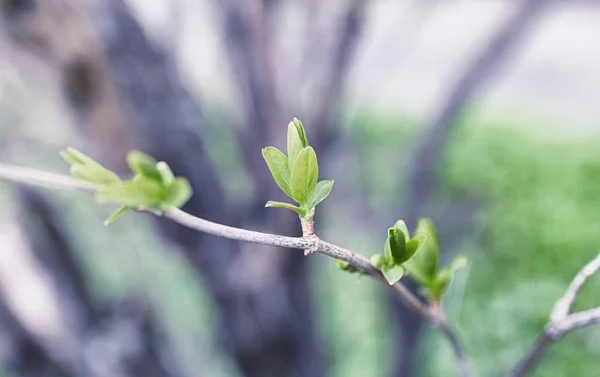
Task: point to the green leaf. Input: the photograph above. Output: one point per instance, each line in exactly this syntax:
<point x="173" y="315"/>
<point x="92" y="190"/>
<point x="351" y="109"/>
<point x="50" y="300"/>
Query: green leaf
<point x="294" y="145"/>
<point x="166" y="174"/>
<point x="439" y="286"/>
<point x="401" y="225"/>
<point x="396" y="246"/>
<point x="444" y="278"/>
<point x="178" y="193"/>
<point x="424" y="265"/>
<point x="322" y="190"/>
<point x="301" y="132"/>
<point x="143" y="164"/>
<point x="278" y="165"/>
<point x="392" y="274"/>
<point x="298" y="210"/>
<point x="139" y="191"/>
<point x="304" y="176"/>
<point x="378" y="260"/>
<point x="86" y="169"/>
<point x="415" y="245"/>
<point x="73" y="156"/>
<point x="115" y="215"/>
<point x="94" y="173"/>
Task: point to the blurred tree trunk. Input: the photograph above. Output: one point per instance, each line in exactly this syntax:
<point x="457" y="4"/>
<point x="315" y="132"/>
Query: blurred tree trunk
<point x="422" y="177"/>
<point x="68" y="332"/>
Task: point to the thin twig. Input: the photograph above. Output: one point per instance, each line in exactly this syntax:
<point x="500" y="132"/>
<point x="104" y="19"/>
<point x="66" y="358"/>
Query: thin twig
<point x="563" y="306"/>
<point x="561" y="322"/>
<point x="435" y="318"/>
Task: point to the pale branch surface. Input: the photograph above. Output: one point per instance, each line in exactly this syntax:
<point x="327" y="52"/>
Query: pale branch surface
<point x="563" y="306"/>
<point x="561" y="322"/>
<point x="435" y="318"/>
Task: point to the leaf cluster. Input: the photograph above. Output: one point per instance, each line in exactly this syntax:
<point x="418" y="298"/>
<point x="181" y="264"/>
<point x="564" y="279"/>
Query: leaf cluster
<point x="424" y="266"/>
<point x="153" y="185"/>
<point x="297" y="173"/>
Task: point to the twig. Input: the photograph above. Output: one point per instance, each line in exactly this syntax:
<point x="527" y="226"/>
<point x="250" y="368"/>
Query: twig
<point x="561" y="322"/>
<point x="435" y="318"/>
<point x="563" y="306"/>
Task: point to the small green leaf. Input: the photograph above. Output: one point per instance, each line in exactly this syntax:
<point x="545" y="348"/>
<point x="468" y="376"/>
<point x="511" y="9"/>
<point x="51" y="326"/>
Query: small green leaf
<point x="444" y="277"/>
<point x="294" y="145"/>
<point x="439" y="286"/>
<point x="414" y="245"/>
<point x="304" y="176"/>
<point x="94" y="173"/>
<point x="378" y="260"/>
<point x="178" y="193"/>
<point x="424" y="265"/>
<point x="115" y="215"/>
<point x="401" y="225"/>
<point x="86" y="169"/>
<point x="396" y="245"/>
<point x="73" y="156"/>
<point x="278" y="165"/>
<point x="392" y="274"/>
<point x="143" y="164"/>
<point x="139" y="191"/>
<point x="322" y="190"/>
<point x="166" y="174"/>
<point x="301" y="132"/>
<point x="298" y="210"/>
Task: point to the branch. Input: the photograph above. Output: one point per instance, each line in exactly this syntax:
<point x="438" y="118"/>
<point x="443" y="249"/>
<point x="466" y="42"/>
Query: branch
<point x="313" y="243"/>
<point x="561" y="322"/>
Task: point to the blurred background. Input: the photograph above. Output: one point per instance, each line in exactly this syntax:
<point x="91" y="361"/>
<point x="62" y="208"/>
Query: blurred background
<point x="482" y="115"/>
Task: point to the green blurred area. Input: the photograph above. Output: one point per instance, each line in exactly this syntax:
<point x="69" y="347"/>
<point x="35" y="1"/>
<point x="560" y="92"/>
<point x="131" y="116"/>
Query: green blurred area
<point x="537" y="222"/>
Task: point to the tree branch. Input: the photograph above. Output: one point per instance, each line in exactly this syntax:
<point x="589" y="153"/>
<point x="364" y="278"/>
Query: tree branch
<point x="561" y="322"/>
<point x="434" y="317"/>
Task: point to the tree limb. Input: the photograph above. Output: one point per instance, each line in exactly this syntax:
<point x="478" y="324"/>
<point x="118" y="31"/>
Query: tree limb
<point x="434" y="317"/>
<point x="561" y="322"/>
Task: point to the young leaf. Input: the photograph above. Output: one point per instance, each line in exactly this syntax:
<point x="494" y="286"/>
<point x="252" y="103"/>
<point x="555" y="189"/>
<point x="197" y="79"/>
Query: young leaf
<point x="322" y="190"/>
<point x="301" y="132"/>
<point x="298" y="210"/>
<point x="278" y="165"/>
<point x="86" y="169"/>
<point x="115" y="215"/>
<point x="444" y="278"/>
<point x="392" y="273"/>
<point x="401" y="225"/>
<point x="142" y="164"/>
<point x="166" y="174"/>
<point x="294" y="145"/>
<point x="94" y="173"/>
<point x="178" y="193"/>
<point x="439" y="286"/>
<point x="139" y="191"/>
<point x="424" y="265"/>
<point x="73" y="156"/>
<point x="397" y="245"/>
<point x="414" y="245"/>
<point x="304" y="176"/>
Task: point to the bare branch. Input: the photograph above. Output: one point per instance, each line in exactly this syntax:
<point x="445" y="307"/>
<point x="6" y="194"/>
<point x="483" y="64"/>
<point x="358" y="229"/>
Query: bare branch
<point x="563" y="306"/>
<point x="561" y="322"/>
<point x="44" y="179"/>
<point x="435" y="318"/>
